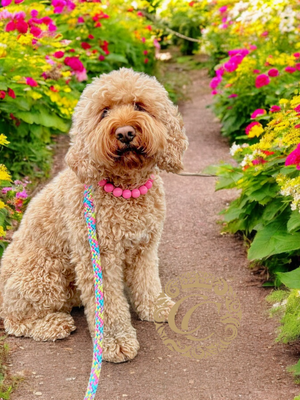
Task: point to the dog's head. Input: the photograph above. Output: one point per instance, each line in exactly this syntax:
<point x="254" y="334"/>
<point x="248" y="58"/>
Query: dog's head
<point x="125" y="121"/>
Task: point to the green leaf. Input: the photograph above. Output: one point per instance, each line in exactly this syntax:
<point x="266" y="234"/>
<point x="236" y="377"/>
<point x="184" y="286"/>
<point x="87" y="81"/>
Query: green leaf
<point x="290" y="279"/>
<point x="116" y="58"/>
<point x="294" y="222"/>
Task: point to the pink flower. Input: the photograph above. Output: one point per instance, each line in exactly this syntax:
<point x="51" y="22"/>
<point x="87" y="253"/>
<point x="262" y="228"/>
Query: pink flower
<point x="296" y="55"/>
<point x="265" y="33"/>
<point x="297" y="66"/>
<point x="214" y="83"/>
<point x="35" y="31"/>
<point x="259" y="111"/>
<point x="274" y="109"/>
<point x="6" y="189"/>
<point x="47" y="20"/>
<point x="241" y="52"/>
<point x="297" y="109"/>
<point x="223" y="9"/>
<point x="18" y="1"/>
<point x="52" y="27"/>
<point x="149" y="27"/>
<point x="297" y="126"/>
<point x="156" y="44"/>
<point x="252" y="47"/>
<point x="58" y="54"/>
<point x="101" y="57"/>
<point x="58" y="5"/>
<point x="139" y="14"/>
<point x="143" y="39"/>
<point x="22" y="26"/>
<point x="6" y="3"/>
<point x="290" y="70"/>
<point x="74" y="63"/>
<point x="258" y="161"/>
<point x="220" y="71"/>
<point x="146" y="60"/>
<point x="11" y="93"/>
<point x="81" y="75"/>
<point x="11" y="26"/>
<point x="2" y="94"/>
<point x="80" y="20"/>
<point x="256" y="71"/>
<point x="31" y="82"/>
<point x="231" y="65"/>
<point x="232" y="95"/>
<point x="262" y="80"/>
<point x="145" y="52"/>
<point x="22" y="195"/>
<point x="294" y="157"/>
<point x="214" y="92"/>
<point x="273" y="72"/>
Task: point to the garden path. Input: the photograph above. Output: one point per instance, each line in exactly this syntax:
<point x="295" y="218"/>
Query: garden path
<point x="252" y="368"/>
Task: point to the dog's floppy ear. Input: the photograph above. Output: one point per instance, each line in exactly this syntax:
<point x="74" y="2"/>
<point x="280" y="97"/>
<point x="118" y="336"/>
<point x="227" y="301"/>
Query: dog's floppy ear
<point x="177" y="141"/>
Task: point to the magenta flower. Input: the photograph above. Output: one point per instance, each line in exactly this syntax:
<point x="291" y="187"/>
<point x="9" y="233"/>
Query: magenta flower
<point x="252" y="47"/>
<point x="259" y="111"/>
<point x="223" y="9"/>
<point x="256" y="71"/>
<point x="262" y="80"/>
<point x="74" y="63"/>
<point x="297" y="126"/>
<point x="294" y="157"/>
<point x="80" y="20"/>
<point x="273" y="72"/>
<point x="258" y="161"/>
<point x="101" y="57"/>
<point x="290" y="70"/>
<point x="274" y="109"/>
<point x="11" y="93"/>
<point x="34" y="13"/>
<point x="265" y="33"/>
<point x="297" y="66"/>
<point x="22" y="195"/>
<point x="6" y="189"/>
<point x="31" y="82"/>
<point x="296" y="55"/>
<point x="297" y="109"/>
<point x="22" y="26"/>
<point x="5" y="3"/>
<point x="47" y="21"/>
<point x="250" y="126"/>
<point x="232" y="95"/>
<point x="36" y="31"/>
<point x="214" y="92"/>
<point x="220" y="71"/>
<point x="58" y="54"/>
<point x="11" y="26"/>
<point x="214" y="83"/>
<point x="81" y="75"/>
<point x="230" y="65"/>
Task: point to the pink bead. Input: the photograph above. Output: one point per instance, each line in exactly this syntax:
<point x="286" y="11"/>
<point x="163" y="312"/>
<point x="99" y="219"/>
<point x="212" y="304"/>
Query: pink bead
<point x="102" y="183"/>
<point x="135" y="193"/>
<point x="148" y="184"/>
<point x="109" y="187"/>
<point x="152" y="177"/>
<point x="126" y="194"/>
<point x="143" y="189"/>
<point x="117" y="192"/>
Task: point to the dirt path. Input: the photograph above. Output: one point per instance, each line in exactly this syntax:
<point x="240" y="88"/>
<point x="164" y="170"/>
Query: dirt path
<point x="252" y="368"/>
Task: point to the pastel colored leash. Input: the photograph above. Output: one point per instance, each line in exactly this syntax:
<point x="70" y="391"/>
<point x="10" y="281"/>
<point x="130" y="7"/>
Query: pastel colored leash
<point x="90" y="218"/>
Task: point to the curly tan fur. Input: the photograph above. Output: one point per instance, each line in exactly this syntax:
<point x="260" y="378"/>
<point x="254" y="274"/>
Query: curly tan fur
<point x="47" y="268"/>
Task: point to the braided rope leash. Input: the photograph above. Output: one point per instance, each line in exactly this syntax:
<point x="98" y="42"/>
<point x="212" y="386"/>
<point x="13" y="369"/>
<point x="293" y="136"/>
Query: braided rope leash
<point x="90" y="218"/>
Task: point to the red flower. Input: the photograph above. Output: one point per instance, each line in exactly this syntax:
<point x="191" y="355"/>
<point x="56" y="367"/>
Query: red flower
<point x="104" y="47"/>
<point x="275" y="109"/>
<point x="91" y="36"/>
<point x="52" y="88"/>
<point x="267" y="152"/>
<point x="98" y="25"/>
<point x="273" y="72"/>
<point x="2" y="94"/>
<point x="297" y="126"/>
<point x="191" y="3"/>
<point x="296" y="55"/>
<point x="145" y="52"/>
<point x="290" y="70"/>
<point x="101" y="57"/>
<point x="47" y="20"/>
<point x="258" y="161"/>
<point x="294" y="157"/>
<point x="139" y="14"/>
<point x="85" y="45"/>
<point x="11" y="93"/>
<point x="22" y="26"/>
<point x="297" y="108"/>
<point x="35" y="31"/>
<point x="146" y="60"/>
<point x="149" y="27"/>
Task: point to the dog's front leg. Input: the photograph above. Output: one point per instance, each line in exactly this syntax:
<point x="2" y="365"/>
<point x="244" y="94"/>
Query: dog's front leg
<point x="142" y="279"/>
<point x="120" y="343"/>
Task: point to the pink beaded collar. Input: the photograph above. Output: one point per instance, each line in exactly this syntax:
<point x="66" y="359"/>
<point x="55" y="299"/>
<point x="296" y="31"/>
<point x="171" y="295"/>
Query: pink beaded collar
<point x="135" y="193"/>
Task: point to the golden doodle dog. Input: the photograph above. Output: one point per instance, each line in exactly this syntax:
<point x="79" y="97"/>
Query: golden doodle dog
<point x="125" y="129"/>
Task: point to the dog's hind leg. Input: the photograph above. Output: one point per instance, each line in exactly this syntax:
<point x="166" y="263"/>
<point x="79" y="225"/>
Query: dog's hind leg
<point x="36" y="291"/>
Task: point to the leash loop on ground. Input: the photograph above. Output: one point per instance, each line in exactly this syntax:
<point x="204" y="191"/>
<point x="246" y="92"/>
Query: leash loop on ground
<point x="90" y="218"/>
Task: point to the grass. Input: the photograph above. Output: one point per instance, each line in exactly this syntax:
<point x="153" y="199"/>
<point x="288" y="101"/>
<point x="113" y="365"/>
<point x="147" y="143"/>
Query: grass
<point x="7" y="382"/>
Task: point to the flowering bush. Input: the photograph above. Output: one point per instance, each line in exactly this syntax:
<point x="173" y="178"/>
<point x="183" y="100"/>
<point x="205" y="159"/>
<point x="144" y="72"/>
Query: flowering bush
<point x="54" y="50"/>
<point x="249" y="42"/>
<point x="12" y="198"/>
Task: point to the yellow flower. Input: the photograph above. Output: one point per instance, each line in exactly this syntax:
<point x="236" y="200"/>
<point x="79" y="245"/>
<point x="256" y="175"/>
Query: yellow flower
<point x="256" y="130"/>
<point x="283" y="101"/>
<point x="2" y="232"/>
<point x="2" y="205"/>
<point x="4" y="175"/>
<point x="26" y="39"/>
<point x="34" y="95"/>
<point x="3" y="140"/>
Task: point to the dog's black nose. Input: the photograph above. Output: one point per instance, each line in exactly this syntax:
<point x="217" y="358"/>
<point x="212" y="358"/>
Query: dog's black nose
<point x="125" y="134"/>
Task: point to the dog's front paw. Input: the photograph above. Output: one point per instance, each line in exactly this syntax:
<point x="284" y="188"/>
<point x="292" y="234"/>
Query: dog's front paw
<point x="121" y="347"/>
<point x="150" y="310"/>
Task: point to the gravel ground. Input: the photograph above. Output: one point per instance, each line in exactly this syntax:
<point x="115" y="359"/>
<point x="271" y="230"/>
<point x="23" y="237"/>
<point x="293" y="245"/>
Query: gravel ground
<point x="252" y="368"/>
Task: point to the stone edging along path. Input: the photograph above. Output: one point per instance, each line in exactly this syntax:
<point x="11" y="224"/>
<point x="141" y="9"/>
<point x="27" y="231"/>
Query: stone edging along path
<point x="253" y="367"/>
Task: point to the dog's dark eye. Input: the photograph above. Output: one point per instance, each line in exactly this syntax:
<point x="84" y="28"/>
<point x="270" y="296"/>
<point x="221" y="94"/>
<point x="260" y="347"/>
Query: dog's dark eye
<point x="104" y="113"/>
<point x="139" y="107"/>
